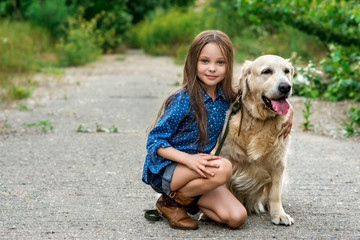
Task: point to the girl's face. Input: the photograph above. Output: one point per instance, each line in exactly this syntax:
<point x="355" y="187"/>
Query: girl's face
<point x="211" y="67"/>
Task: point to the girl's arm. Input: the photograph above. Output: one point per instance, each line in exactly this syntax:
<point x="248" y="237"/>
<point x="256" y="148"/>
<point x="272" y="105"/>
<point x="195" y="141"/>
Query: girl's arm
<point x="197" y="162"/>
<point x="289" y="122"/>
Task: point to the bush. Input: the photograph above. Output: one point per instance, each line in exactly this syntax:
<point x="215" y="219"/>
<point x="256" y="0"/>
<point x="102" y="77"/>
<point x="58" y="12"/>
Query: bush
<point x="80" y="45"/>
<point x="49" y="14"/>
<point x="111" y="28"/>
<point x="20" y="92"/>
<point x="332" y="21"/>
<point x="112" y="20"/>
<point x="140" y="9"/>
<point x="253" y="36"/>
<point x="337" y="80"/>
<point x="308" y="81"/>
<point x="167" y="31"/>
<point x="342" y="67"/>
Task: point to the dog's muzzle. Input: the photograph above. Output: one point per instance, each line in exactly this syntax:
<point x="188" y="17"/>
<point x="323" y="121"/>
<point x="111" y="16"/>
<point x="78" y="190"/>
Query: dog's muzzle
<point x="280" y="104"/>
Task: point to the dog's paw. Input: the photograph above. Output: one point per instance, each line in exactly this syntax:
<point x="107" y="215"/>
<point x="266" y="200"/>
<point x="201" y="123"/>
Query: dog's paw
<point x="282" y="219"/>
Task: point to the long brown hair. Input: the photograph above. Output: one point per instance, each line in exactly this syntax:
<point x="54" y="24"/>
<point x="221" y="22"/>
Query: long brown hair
<point x="193" y="85"/>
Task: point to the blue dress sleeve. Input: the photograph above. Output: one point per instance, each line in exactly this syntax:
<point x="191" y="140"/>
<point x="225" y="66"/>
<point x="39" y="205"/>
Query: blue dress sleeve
<point x="166" y="128"/>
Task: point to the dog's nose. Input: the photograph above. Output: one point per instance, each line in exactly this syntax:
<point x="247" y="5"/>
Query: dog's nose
<point x="284" y="87"/>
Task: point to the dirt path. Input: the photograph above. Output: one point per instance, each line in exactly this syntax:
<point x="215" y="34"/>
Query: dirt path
<point x="64" y="184"/>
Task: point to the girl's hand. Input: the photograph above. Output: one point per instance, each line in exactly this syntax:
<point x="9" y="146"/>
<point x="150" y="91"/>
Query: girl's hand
<point x="288" y="123"/>
<point x="199" y="162"/>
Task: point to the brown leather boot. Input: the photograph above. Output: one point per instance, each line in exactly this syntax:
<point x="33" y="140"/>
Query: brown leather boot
<point x="175" y="212"/>
<point x="190" y="203"/>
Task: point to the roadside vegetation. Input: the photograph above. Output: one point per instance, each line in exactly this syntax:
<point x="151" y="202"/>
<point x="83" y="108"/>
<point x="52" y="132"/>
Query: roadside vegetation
<point x="321" y="38"/>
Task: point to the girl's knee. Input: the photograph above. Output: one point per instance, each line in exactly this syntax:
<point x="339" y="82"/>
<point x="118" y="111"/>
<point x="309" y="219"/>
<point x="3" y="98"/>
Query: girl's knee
<point x="225" y="171"/>
<point x="237" y="218"/>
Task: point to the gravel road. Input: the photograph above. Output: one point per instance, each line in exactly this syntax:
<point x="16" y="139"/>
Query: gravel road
<point x="65" y="184"/>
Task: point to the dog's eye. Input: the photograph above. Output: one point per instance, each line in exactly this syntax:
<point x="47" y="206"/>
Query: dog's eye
<point x="266" y="71"/>
<point x="286" y="71"/>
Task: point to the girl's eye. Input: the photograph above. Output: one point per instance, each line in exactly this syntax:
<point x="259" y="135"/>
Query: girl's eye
<point x="267" y="71"/>
<point x="204" y="61"/>
<point x="221" y="62"/>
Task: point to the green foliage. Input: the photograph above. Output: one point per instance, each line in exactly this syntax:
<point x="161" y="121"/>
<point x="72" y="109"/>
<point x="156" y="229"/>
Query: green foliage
<point x="5" y="126"/>
<point x="98" y="128"/>
<point x="82" y="129"/>
<point x="156" y="34"/>
<point x="20" y="92"/>
<point x="253" y="36"/>
<point x="112" y="20"/>
<point x="81" y="44"/>
<point x="42" y="125"/>
<point x="93" y="7"/>
<point x="308" y="81"/>
<point x="140" y="9"/>
<point x="285" y="41"/>
<point x="340" y="79"/>
<point x="352" y="125"/>
<point x="342" y="67"/>
<point x="223" y="15"/>
<point x="23" y="107"/>
<point x="334" y="21"/>
<point x="50" y="14"/>
<point x="4" y="8"/>
<point x="167" y="31"/>
<point x="111" y="27"/>
<point x="13" y="9"/>
<point x="331" y="21"/>
<point x="306" y="114"/>
<point x="24" y="49"/>
<point x="22" y="46"/>
<point x="113" y="129"/>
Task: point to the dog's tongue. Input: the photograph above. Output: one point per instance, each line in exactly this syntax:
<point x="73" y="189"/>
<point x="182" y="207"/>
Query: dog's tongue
<point x="281" y="106"/>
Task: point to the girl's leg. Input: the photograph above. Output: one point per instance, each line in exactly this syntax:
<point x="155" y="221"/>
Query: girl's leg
<point x="216" y="201"/>
<point x="222" y="206"/>
<point x="192" y="184"/>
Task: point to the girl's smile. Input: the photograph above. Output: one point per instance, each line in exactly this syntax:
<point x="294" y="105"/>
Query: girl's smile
<point x="212" y="77"/>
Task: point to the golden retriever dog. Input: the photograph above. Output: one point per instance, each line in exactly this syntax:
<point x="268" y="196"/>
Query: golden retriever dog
<point x="258" y="150"/>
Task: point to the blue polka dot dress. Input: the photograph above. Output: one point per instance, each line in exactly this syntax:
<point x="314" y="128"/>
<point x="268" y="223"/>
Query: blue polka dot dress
<point x="173" y="129"/>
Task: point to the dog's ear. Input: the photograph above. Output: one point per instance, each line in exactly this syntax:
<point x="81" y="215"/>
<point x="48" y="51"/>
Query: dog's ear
<point x="245" y="73"/>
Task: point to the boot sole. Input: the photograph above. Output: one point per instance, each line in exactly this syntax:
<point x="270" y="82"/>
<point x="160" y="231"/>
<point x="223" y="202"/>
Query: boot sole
<point x="172" y="226"/>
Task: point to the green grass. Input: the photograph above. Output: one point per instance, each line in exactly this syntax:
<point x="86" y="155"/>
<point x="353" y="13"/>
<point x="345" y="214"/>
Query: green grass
<point x="24" y="49"/>
<point x="306" y="114"/>
<point x="98" y="128"/>
<point x="352" y="124"/>
<point x="42" y="125"/>
<point x="21" y="46"/>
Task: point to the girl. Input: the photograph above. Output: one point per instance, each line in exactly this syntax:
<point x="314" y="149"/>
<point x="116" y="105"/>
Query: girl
<point x="178" y="164"/>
